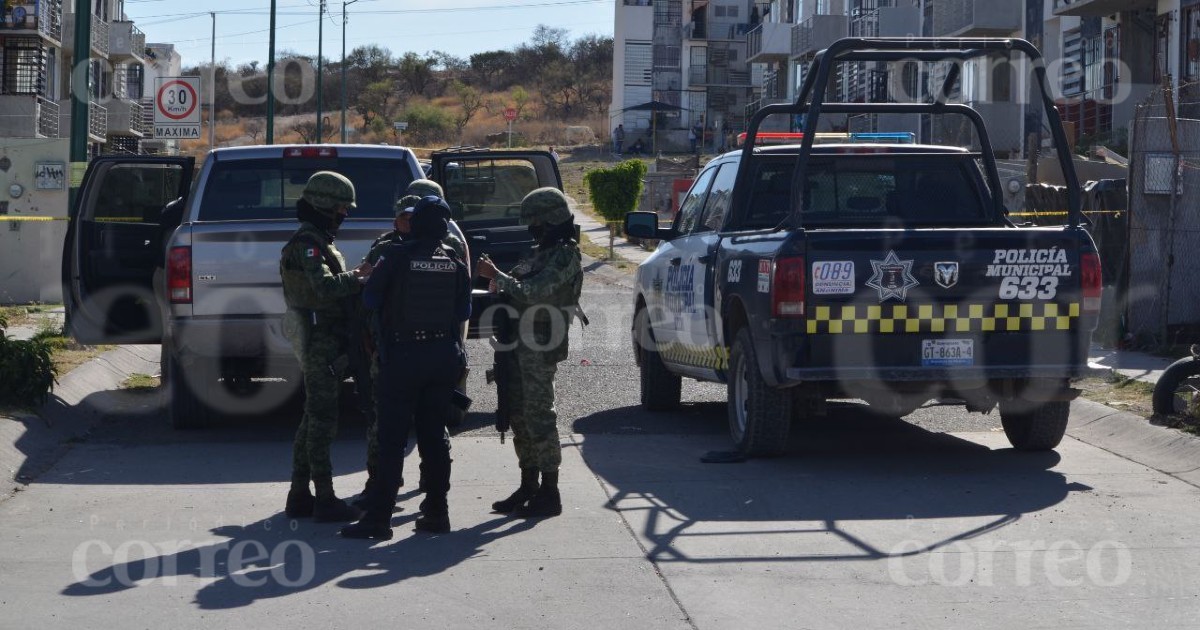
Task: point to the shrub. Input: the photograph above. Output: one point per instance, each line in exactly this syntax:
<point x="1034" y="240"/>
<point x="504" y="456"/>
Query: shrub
<point x="615" y="192"/>
<point x="427" y="124"/>
<point x="26" y="371"/>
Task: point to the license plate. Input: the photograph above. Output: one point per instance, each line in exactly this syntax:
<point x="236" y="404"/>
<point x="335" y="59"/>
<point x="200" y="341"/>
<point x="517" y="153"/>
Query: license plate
<point x="947" y="352"/>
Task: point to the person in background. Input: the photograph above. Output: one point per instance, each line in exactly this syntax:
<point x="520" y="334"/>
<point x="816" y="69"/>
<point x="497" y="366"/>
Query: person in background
<point x="618" y="139"/>
<point x="554" y="154"/>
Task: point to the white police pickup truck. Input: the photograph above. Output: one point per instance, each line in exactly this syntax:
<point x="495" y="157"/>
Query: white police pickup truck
<point x="889" y="273"/>
<point x="217" y="308"/>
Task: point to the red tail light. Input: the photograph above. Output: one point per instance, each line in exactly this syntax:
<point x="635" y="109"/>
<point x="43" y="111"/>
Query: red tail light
<point x="1093" y="282"/>
<point x="310" y="152"/>
<point x="179" y="275"/>
<point x="787" y="289"/>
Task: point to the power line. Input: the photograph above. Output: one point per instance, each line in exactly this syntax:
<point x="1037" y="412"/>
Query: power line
<point x="499" y="7"/>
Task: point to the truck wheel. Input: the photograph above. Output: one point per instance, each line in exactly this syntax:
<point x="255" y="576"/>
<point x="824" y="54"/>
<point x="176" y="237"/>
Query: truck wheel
<point x="661" y="390"/>
<point x="759" y="415"/>
<point x="185" y="406"/>
<point x="1177" y="388"/>
<point x="1038" y="429"/>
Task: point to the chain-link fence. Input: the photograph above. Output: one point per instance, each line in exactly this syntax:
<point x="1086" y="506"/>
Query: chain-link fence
<point x="1162" y="305"/>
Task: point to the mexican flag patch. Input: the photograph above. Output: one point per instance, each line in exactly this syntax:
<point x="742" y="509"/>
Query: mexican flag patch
<point x="311" y="252"/>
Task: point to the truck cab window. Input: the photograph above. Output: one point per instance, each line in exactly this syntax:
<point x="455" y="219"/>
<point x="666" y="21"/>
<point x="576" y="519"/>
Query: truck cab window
<point x="719" y="198"/>
<point x="693" y="204"/>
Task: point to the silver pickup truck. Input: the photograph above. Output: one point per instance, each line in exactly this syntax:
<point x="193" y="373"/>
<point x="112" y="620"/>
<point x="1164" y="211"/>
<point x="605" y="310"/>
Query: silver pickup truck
<point x="157" y="252"/>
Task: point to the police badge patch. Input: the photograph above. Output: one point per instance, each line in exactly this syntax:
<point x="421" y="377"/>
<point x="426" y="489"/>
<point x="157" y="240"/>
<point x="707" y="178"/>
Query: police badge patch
<point x="945" y="274"/>
<point x="892" y="278"/>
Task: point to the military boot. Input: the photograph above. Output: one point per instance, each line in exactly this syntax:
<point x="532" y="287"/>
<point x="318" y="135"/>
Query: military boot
<point x="545" y="502"/>
<point x="529" y="486"/>
<point x="435" y="515"/>
<point x="363" y="497"/>
<point x="334" y="510"/>
<point x="368" y="528"/>
<point x="299" y="503"/>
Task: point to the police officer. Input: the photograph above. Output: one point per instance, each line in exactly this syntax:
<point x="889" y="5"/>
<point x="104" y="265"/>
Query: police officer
<point x="544" y="290"/>
<point x="421" y="293"/>
<point x="314" y="284"/>
<point x="401" y="228"/>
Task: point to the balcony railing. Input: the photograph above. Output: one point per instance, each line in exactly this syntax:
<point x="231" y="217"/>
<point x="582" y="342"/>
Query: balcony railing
<point x="719" y="31"/>
<point x="147" y="117"/>
<point x="97" y="120"/>
<point x="769" y="41"/>
<point x="126" y="41"/>
<point x="712" y="75"/>
<point x="817" y="33"/>
<point x="100" y="30"/>
<point x="47" y="118"/>
<point x="1099" y="8"/>
<point x="125" y="118"/>
<point x="976" y="18"/>
<point x="44" y="20"/>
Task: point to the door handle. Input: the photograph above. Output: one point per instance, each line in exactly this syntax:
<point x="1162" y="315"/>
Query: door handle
<point x="675" y="261"/>
<point x="705" y="259"/>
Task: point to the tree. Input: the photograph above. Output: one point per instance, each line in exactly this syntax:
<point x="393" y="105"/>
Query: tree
<point x="470" y="102"/>
<point x="253" y="128"/>
<point x="307" y="129"/>
<point x="416" y="72"/>
<point x="369" y="64"/>
<point x="520" y="99"/>
<point x="488" y="68"/>
<point x="615" y="192"/>
<point x="373" y="102"/>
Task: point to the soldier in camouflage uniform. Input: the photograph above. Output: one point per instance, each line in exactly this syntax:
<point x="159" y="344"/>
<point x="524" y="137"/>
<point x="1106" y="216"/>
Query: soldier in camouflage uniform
<point x="401" y="228"/>
<point x="552" y="278"/>
<point x="315" y="282"/>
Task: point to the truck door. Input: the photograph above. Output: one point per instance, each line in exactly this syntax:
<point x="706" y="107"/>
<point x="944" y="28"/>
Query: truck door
<point x="698" y="272"/>
<point x="484" y="189"/>
<point x="678" y="285"/>
<point x="114" y="244"/>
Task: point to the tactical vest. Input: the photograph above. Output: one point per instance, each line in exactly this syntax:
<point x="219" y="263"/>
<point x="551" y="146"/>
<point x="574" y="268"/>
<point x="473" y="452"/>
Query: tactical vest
<point x="423" y="296"/>
<point x="565" y="297"/>
<point x="297" y="291"/>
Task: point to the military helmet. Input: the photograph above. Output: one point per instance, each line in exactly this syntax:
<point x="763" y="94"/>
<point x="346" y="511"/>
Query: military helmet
<point x="545" y="206"/>
<point x="327" y="190"/>
<point x="406" y="204"/>
<point x="424" y="188"/>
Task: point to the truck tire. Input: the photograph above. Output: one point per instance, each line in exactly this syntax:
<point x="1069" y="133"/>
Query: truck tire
<point x="661" y="390"/>
<point x="185" y="406"/>
<point x="1180" y="375"/>
<point x="759" y="415"/>
<point x="1038" y="429"/>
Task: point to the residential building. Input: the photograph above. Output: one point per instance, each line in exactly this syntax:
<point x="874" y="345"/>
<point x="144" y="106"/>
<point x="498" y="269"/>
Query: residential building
<point x="36" y="60"/>
<point x="690" y="54"/>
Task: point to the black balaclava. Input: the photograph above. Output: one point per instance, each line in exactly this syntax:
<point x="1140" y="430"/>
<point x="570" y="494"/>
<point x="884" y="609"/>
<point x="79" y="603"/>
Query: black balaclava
<point x="307" y="212"/>
<point x="550" y="234"/>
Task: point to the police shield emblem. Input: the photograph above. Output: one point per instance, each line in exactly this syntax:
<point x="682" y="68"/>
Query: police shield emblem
<point x="892" y="277"/>
<point x="945" y="274"/>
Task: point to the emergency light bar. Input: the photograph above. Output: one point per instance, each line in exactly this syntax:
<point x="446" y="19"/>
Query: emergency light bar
<point x="777" y="137"/>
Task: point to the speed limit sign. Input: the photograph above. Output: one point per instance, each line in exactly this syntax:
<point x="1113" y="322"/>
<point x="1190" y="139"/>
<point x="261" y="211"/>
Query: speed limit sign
<point x="177" y="107"/>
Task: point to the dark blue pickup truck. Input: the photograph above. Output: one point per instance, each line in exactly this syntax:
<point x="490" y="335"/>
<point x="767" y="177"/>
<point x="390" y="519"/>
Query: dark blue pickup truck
<point x="889" y="273"/>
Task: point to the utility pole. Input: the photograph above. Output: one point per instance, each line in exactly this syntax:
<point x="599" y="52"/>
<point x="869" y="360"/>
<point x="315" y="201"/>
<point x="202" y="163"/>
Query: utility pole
<point x="1034" y="112"/>
<point x="320" y="69"/>
<point x="271" y="81"/>
<point x="80" y="95"/>
<point x="212" y="87"/>
<point x="344" y="20"/>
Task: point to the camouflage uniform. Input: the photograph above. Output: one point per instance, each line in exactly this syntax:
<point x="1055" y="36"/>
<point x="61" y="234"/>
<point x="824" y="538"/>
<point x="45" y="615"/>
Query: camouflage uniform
<point x="314" y="284"/>
<point x="553" y="278"/>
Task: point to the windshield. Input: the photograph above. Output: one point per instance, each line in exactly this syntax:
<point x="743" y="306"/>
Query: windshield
<point x="242" y="190"/>
<point x="872" y="191"/>
<point x="490" y="190"/>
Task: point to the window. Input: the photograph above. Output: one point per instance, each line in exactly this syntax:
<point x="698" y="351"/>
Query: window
<point x="719" y="198"/>
<point x="1190" y="61"/>
<point x="133" y="82"/>
<point x="24" y="68"/>
<point x="1162" y="43"/>
<point x="693" y="204"/>
<point x="872" y="190"/>
<point x="733" y="11"/>
<point x="489" y="190"/>
<point x="719" y="10"/>
<point x="269" y="189"/>
<point x="136" y="193"/>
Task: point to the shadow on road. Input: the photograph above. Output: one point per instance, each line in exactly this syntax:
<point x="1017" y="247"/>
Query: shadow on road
<point x="278" y="557"/>
<point x="841" y="472"/>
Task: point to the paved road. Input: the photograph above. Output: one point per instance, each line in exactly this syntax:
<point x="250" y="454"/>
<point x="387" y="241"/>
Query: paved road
<point x="931" y="522"/>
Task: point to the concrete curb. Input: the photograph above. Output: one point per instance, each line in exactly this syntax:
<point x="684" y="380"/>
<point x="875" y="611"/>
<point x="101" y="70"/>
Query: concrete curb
<point x="31" y="444"/>
<point x="1136" y="439"/>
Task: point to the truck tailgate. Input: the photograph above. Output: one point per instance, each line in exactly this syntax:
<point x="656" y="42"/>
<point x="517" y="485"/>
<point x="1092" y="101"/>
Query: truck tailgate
<point x="944" y="300"/>
<point x="235" y="267"/>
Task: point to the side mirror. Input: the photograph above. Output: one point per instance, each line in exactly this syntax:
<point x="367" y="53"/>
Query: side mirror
<point x="643" y="225"/>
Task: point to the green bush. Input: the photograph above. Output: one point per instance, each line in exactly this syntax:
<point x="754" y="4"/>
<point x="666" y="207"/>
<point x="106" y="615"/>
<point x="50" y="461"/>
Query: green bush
<point x="615" y="191"/>
<point x="26" y="371"/>
<point x="427" y="124"/>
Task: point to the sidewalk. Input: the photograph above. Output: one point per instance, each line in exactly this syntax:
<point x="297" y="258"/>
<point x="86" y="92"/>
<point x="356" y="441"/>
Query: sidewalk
<point x="1130" y="364"/>
<point x="53" y="318"/>
<point x="597" y="232"/>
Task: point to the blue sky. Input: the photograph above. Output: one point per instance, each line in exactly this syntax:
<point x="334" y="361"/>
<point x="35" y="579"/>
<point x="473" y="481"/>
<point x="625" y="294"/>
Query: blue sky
<point x="459" y="27"/>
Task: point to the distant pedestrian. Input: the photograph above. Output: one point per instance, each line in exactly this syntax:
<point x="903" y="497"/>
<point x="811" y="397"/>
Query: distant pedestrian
<point x="618" y="138"/>
<point x="695" y="134"/>
<point x="554" y="154"/>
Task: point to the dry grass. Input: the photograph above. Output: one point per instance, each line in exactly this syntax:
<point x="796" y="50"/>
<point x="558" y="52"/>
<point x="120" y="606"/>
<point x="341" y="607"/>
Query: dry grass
<point x="67" y="354"/>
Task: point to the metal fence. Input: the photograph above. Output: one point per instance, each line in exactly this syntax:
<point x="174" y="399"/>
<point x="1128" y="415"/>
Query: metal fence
<point x="1163" y="301"/>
